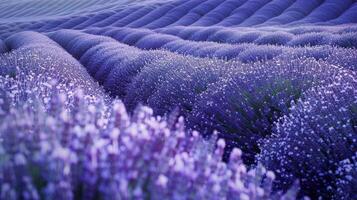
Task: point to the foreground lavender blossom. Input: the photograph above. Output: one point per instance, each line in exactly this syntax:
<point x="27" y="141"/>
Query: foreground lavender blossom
<point x="59" y="147"/>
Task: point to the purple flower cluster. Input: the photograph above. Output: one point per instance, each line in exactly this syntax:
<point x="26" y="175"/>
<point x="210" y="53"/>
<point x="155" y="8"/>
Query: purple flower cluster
<point x="347" y="182"/>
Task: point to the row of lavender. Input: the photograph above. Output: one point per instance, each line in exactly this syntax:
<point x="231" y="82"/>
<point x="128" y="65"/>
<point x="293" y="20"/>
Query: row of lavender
<point x="176" y="13"/>
<point x="295" y="113"/>
<point x="218" y="38"/>
<point x="228" y="42"/>
<point x="244" y="46"/>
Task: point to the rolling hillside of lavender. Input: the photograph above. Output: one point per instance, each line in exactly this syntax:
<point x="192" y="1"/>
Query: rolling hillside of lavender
<point x="178" y="99"/>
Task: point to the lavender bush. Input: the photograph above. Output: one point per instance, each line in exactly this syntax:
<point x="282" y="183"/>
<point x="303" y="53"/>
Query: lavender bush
<point x="276" y="38"/>
<point x="181" y="87"/>
<point x="246" y="102"/>
<point x="319" y="132"/>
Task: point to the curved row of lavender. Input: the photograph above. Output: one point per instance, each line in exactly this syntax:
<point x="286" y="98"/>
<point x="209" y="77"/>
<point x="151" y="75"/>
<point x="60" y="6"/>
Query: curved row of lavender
<point x="276" y="79"/>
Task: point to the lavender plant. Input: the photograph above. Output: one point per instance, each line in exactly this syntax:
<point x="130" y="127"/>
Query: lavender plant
<point x="149" y="79"/>
<point x="347" y="40"/>
<point x="275" y="38"/>
<point x="182" y="86"/>
<point x="311" y="39"/>
<point x="121" y="76"/>
<point x="259" y="53"/>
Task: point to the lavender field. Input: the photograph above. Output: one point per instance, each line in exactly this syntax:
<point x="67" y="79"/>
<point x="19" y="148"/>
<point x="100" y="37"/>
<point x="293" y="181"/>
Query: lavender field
<point x="178" y="99"/>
